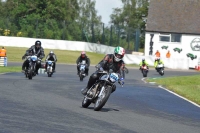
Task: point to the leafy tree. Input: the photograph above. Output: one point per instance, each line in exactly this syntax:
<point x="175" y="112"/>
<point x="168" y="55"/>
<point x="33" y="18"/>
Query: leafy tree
<point x="130" y="17"/>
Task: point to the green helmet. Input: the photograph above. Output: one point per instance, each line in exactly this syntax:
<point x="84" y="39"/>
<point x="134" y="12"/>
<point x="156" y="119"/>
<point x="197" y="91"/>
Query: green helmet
<point x="119" y="53"/>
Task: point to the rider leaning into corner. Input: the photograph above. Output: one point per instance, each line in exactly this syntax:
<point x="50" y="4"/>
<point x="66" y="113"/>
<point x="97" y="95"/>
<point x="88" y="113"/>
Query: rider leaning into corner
<point x="37" y="50"/>
<point x="110" y="61"/>
<point x="158" y="61"/>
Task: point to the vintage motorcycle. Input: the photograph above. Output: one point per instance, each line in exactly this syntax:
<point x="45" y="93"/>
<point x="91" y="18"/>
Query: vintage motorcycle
<point x="50" y="68"/>
<point x="101" y="90"/>
<point x="30" y="71"/>
<point x="160" y="69"/>
<point x="144" y="70"/>
<point x="82" y="73"/>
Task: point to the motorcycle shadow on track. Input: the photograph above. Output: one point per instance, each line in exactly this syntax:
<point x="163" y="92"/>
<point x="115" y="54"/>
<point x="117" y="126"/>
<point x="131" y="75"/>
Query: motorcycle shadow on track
<point x="104" y="109"/>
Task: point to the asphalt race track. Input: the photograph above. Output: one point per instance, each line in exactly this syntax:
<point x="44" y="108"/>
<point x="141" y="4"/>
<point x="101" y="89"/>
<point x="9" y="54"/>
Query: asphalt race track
<point x="53" y="105"/>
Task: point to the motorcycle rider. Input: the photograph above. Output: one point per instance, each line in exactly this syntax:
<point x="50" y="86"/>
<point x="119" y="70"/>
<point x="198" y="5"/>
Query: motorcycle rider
<point x="110" y="61"/>
<point x="158" y="61"/>
<point x="143" y="63"/>
<point x="38" y="51"/>
<point x="51" y="56"/>
<point x="83" y="56"/>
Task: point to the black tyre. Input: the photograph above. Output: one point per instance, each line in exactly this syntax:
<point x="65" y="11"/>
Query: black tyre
<point x="81" y="78"/>
<point x="49" y="74"/>
<point x="144" y="73"/>
<point x="30" y="75"/>
<point x="86" y="102"/>
<point x="101" y="101"/>
<point x="161" y="72"/>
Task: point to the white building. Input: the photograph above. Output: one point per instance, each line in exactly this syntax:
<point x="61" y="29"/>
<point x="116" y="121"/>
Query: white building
<point x="174" y="25"/>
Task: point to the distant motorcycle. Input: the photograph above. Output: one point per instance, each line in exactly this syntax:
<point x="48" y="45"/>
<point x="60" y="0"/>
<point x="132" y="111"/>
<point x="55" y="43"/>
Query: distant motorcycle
<point x="50" y="68"/>
<point x="101" y="90"/>
<point x="160" y="69"/>
<point x="144" y="70"/>
<point x="82" y="73"/>
<point x="30" y="71"/>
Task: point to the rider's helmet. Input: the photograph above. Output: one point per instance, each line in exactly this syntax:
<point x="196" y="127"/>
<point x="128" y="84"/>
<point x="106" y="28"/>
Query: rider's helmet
<point x="83" y="54"/>
<point x="51" y="53"/>
<point x="38" y="44"/>
<point x="158" y="59"/>
<point x="143" y="60"/>
<point x="119" y="53"/>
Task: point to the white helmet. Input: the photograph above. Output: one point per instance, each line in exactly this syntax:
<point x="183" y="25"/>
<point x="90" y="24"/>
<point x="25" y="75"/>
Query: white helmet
<point x="119" y="53"/>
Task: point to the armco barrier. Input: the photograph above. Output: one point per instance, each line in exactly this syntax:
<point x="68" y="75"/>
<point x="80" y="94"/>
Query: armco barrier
<point x="3" y="61"/>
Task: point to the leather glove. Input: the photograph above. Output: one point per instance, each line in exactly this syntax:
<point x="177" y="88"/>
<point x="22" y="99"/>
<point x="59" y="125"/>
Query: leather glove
<point x="98" y="67"/>
<point x="23" y="57"/>
<point x="121" y="81"/>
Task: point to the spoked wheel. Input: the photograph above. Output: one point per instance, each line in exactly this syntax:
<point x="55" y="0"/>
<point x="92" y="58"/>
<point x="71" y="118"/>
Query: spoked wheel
<point x="102" y="99"/>
<point x="85" y="102"/>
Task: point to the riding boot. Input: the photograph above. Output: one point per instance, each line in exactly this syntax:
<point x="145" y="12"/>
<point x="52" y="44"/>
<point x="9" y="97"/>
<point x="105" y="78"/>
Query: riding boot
<point x="89" y="85"/>
<point x="86" y="72"/>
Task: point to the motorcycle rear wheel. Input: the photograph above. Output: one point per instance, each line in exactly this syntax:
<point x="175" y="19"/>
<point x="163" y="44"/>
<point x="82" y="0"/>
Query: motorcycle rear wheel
<point x="86" y="102"/>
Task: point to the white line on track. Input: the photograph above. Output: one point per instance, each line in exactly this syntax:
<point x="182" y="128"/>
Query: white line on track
<point x="143" y="79"/>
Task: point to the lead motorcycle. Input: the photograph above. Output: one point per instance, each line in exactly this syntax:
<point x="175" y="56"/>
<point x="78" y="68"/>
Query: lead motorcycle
<point x="30" y="71"/>
<point x="101" y="90"/>
<point x="160" y="69"/>
<point x="50" y="68"/>
<point x="82" y="73"/>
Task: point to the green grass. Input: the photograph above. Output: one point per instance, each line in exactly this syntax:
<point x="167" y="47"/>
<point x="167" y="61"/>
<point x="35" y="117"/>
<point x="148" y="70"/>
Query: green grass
<point x="15" y="54"/>
<point x="10" y="69"/>
<point x="186" y="86"/>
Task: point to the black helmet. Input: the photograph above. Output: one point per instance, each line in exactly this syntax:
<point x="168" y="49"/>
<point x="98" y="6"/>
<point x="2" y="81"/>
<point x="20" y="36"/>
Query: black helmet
<point x="38" y="44"/>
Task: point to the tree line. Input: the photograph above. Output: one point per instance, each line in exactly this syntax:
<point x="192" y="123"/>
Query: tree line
<point x="75" y="20"/>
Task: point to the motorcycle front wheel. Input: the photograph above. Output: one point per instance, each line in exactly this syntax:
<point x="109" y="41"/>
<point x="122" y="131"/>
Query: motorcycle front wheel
<point x="101" y="100"/>
<point x="30" y="74"/>
<point x="161" y="72"/>
<point x="144" y="72"/>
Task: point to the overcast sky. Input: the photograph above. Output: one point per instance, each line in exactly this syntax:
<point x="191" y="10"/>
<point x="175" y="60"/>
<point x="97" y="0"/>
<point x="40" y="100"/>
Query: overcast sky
<point x="104" y="8"/>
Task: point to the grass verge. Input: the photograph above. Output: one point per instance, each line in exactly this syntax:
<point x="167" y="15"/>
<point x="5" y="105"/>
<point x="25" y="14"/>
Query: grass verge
<point x="186" y="86"/>
<point x="10" y="69"/>
<point x="15" y="54"/>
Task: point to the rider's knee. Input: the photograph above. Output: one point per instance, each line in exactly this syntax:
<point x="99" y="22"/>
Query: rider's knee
<point x="94" y="76"/>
